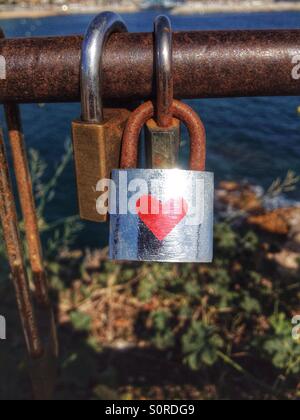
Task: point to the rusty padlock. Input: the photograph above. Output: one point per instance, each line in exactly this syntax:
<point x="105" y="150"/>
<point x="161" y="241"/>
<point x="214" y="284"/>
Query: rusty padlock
<point x="162" y="133"/>
<point x="163" y="215"/>
<point x="98" y="135"/>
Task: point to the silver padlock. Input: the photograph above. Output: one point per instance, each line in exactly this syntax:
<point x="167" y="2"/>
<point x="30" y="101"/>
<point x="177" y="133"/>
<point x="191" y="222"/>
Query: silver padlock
<point x="163" y="215"/>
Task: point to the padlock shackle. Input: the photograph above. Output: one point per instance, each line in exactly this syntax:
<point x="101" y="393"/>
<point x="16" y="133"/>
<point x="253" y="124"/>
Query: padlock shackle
<point x="98" y="33"/>
<point x="164" y="70"/>
<point x="181" y="111"/>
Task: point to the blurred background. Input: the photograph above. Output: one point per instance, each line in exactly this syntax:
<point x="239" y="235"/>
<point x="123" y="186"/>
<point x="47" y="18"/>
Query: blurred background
<point x="168" y="331"/>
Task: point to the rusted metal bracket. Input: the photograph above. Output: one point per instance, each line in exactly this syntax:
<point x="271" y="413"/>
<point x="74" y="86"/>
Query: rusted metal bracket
<point x="38" y="324"/>
<point x="42" y="366"/>
<point x="12" y="239"/>
<point x="23" y="178"/>
<point x="205" y="64"/>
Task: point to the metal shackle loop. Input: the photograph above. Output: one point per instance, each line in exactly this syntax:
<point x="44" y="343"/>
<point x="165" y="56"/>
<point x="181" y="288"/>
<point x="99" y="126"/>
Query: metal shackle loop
<point x="164" y="70"/>
<point x="181" y="111"/>
<point x="93" y="46"/>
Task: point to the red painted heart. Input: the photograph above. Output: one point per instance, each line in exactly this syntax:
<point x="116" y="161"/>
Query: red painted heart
<point x="161" y="218"/>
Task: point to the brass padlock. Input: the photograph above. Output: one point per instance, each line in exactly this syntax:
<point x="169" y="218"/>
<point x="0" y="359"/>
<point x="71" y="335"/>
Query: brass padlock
<point x="97" y="137"/>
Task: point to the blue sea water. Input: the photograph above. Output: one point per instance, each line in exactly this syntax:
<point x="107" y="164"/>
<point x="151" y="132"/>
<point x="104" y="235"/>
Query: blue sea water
<point x="248" y="138"/>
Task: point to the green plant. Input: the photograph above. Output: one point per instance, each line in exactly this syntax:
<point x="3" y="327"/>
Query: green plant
<point x="200" y="345"/>
<point x="163" y="336"/>
<point x="63" y="232"/>
<point x="280" y="346"/>
<point x="80" y="321"/>
<point x="208" y="314"/>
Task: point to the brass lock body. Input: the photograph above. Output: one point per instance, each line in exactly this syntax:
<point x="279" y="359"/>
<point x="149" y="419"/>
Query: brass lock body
<point x="97" y="151"/>
<point x="98" y="135"/>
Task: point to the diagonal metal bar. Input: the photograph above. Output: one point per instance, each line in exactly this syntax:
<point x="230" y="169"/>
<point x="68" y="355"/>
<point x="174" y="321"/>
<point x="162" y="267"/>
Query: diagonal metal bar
<point x="43" y="367"/>
<point x="12" y="239"/>
<point x="23" y="178"/>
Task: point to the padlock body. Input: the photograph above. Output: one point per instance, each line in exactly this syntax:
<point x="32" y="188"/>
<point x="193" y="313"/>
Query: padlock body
<point x="162" y="144"/>
<point x="96" y="152"/>
<point x="177" y="224"/>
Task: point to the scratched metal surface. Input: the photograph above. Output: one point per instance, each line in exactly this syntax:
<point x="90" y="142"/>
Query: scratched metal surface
<point x="132" y="239"/>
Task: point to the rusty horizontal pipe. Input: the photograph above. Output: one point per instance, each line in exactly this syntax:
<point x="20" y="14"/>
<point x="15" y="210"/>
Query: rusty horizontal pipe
<point x="206" y="64"/>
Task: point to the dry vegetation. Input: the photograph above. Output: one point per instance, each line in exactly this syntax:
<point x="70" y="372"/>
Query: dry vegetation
<point x="170" y="331"/>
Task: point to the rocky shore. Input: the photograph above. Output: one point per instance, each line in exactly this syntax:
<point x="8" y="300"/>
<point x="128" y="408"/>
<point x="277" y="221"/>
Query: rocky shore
<point x="279" y="224"/>
<point x="192" y="7"/>
<point x="35" y="12"/>
<point x="187" y="8"/>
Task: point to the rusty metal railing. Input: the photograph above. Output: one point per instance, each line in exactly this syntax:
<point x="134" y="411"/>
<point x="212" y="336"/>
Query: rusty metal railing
<point x="205" y="64"/>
